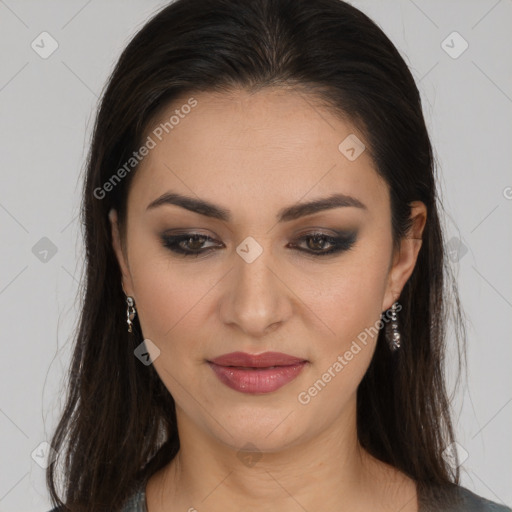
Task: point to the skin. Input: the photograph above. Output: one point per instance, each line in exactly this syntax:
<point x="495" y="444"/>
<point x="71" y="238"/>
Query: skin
<point x="253" y="155"/>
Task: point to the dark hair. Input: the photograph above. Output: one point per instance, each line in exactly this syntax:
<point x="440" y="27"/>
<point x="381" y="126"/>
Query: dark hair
<point x="119" y="422"/>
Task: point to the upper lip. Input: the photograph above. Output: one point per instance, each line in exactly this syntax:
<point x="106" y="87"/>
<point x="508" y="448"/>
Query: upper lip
<point x="263" y="360"/>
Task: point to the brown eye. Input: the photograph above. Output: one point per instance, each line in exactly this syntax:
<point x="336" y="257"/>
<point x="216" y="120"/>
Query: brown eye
<point x="315" y="244"/>
<point x="320" y="244"/>
<point x="188" y="244"/>
<point x="196" y="242"/>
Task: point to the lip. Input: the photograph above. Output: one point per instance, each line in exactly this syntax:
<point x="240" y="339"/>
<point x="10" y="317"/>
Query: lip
<point x="263" y="360"/>
<point x="256" y="373"/>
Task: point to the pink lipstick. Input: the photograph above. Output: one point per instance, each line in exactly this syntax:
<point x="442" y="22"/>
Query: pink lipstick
<point x="261" y="373"/>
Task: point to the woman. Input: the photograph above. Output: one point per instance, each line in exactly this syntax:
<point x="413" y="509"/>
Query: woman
<point x="263" y="325"/>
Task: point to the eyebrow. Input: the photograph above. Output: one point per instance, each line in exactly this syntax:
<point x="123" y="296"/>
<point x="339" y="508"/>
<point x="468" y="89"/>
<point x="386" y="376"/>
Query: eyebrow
<point x="287" y="214"/>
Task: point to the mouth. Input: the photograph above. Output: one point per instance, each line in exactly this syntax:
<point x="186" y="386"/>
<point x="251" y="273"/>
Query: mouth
<point x="256" y="374"/>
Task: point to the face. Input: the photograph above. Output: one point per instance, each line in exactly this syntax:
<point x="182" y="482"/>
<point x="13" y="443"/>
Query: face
<point x="262" y="275"/>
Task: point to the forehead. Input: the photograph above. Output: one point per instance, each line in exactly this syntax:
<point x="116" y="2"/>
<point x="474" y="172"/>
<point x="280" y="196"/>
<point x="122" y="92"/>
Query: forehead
<point x="276" y="145"/>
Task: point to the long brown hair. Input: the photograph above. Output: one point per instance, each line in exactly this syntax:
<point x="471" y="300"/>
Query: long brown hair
<point x="118" y="425"/>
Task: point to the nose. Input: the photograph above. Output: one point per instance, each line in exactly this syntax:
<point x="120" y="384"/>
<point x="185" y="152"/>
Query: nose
<point x="257" y="299"/>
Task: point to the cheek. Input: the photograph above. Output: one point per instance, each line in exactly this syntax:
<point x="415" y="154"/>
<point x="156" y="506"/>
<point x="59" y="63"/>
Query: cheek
<point x="348" y="300"/>
<point x="348" y="297"/>
<point x="168" y="299"/>
<point x="349" y="305"/>
<point x="171" y="309"/>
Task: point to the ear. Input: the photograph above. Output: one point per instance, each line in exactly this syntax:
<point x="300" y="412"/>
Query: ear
<point x="120" y="254"/>
<point x="404" y="259"/>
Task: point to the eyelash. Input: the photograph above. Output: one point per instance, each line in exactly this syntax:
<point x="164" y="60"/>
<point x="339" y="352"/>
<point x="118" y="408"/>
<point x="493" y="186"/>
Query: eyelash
<point x="340" y="244"/>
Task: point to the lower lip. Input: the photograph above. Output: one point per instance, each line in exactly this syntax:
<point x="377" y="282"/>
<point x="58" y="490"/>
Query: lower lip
<point x="260" y="380"/>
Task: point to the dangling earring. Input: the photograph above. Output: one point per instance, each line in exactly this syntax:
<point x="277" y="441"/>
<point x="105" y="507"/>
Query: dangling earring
<point x="392" y="332"/>
<point x="130" y="312"/>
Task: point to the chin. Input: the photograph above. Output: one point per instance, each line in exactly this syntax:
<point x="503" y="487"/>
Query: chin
<point x="259" y="432"/>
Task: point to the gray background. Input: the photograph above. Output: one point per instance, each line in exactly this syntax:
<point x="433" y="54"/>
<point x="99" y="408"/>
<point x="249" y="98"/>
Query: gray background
<point x="47" y="108"/>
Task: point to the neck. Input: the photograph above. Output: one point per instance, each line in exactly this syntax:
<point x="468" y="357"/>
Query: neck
<point x="330" y="468"/>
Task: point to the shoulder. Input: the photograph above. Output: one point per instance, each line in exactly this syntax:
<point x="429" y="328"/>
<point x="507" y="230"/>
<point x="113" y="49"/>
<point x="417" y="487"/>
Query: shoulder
<point x="136" y="503"/>
<point x="456" y="498"/>
<point x="473" y="502"/>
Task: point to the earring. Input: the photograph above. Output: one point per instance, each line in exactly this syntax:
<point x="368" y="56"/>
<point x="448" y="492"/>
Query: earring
<point x="130" y="312"/>
<point x="392" y="332"/>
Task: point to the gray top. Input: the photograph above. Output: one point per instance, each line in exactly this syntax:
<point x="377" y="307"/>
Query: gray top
<point x="137" y="503"/>
<point x="467" y="502"/>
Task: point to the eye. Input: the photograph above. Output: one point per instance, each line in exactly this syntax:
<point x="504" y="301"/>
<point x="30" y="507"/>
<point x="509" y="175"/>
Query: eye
<point x="314" y="244"/>
<point x="320" y="244"/>
<point x="188" y="244"/>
